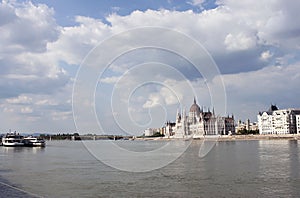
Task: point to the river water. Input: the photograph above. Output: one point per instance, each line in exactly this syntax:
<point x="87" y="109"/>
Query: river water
<point x="231" y="169"/>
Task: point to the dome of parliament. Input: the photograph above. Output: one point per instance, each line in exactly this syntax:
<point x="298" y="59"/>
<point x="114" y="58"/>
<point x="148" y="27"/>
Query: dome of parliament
<point x="195" y="108"/>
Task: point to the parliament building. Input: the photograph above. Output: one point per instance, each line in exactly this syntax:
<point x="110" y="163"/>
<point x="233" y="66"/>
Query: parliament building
<point x="199" y="123"/>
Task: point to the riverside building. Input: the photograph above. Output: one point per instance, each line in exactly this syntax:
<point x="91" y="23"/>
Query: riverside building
<point x="249" y="126"/>
<point x="279" y="121"/>
<point x="298" y="123"/>
<point x="198" y="123"/>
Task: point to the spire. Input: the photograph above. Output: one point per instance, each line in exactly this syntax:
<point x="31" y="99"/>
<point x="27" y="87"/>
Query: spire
<point x="194" y="100"/>
<point x="178" y="117"/>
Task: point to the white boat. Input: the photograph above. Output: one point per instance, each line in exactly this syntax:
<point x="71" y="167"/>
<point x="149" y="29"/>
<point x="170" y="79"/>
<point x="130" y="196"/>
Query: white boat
<point x="34" y="141"/>
<point x="12" y="139"/>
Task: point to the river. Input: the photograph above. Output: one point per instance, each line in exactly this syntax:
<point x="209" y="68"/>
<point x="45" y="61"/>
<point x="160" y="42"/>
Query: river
<point x="262" y="168"/>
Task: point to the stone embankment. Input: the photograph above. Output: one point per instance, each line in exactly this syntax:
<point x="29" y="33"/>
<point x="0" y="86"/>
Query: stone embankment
<point x="260" y="137"/>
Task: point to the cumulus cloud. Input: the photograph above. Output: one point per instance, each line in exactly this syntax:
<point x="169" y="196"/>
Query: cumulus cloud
<point x="243" y="37"/>
<point x="153" y="101"/>
<point x="197" y="2"/>
<point x="26" y="27"/>
<point x="22" y="99"/>
<point x="239" y="42"/>
<point x="251" y="92"/>
<point x="76" y="41"/>
<point x="229" y="28"/>
<point x="235" y="35"/>
<point x="26" y="67"/>
<point x="113" y="79"/>
<point x="26" y="110"/>
<point x="266" y="55"/>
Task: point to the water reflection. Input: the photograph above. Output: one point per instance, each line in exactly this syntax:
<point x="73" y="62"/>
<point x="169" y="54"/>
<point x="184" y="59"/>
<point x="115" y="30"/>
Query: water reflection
<point x="231" y="169"/>
<point x="294" y="167"/>
<point x="33" y="150"/>
<point x="279" y="163"/>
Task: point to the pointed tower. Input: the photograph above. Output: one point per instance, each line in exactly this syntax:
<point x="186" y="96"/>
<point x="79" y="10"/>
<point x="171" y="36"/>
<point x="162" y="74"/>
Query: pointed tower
<point x="178" y="117"/>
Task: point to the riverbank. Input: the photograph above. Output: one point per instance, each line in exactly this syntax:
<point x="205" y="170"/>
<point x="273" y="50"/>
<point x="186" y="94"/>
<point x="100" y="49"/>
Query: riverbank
<point x="236" y="137"/>
<point x="217" y="138"/>
<point x="260" y="137"/>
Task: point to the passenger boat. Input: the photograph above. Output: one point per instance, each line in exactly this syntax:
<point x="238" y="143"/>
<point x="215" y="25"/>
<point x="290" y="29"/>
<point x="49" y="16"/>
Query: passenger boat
<point x="12" y="139"/>
<point x="34" y="141"/>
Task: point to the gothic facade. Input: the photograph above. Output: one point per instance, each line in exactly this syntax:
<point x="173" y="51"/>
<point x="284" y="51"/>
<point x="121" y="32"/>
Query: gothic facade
<point x="198" y="123"/>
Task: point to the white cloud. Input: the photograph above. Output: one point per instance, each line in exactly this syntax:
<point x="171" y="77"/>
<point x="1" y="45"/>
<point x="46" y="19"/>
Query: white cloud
<point x="251" y="92"/>
<point x="26" y="110"/>
<point x="27" y="27"/>
<point x="8" y="110"/>
<point x="62" y="115"/>
<point x="169" y="97"/>
<point x="153" y="101"/>
<point x="272" y="20"/>
<point x="272" y="80"/>
<point x="239" y="42"/>
<point x="266" y="55"/>
<point x="197" y="2"/>
<point x="36" y="55"/>
<point x="46" y="102"/>
<point x="232" y="27"/>
<point x="110" y="80"/>
<point x="76" y="41"/>
<point x="22" y="99"/>
<point x="115" y="8"/>
<point x="26" y="66"/>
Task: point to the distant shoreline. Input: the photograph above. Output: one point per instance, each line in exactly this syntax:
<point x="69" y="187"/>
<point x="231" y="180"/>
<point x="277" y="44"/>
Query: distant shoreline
<point x="215" y="138"/>
<point x="260" y="137"/>
<point x="237" y="137"/>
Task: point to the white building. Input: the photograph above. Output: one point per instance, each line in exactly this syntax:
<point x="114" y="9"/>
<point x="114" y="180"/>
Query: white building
<point x="298" y="123"/>
<point x="275" y="121"/>
<point x="199" y="123"/>
<point x="252" y="126"/>
<point x="149" y="132"/>
<point x="169" y="129"/>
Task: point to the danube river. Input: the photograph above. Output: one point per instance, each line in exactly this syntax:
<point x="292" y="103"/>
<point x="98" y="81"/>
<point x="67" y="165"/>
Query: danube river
<point x="258" y="168"/>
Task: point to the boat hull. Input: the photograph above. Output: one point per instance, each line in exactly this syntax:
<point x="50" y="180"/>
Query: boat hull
<point x="14" y="144"/>
<point x="15" y="140"/>
<point x="12" y="140"/>
<point x="34" y="142"/>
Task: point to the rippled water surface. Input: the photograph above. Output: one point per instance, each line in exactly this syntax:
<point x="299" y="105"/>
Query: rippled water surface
<point x="231" y="169"/>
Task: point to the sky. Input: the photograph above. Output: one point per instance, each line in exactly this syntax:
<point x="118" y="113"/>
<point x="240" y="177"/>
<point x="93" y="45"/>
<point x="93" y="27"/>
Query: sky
<point x="45" y="46"/>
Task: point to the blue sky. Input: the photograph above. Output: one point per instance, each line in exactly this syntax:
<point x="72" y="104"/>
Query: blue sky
<point x="255" y="46"/>
<point x="66" y="10"/>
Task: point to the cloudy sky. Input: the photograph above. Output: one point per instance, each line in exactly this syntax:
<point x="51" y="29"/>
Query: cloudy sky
<point x="43" y="44"/>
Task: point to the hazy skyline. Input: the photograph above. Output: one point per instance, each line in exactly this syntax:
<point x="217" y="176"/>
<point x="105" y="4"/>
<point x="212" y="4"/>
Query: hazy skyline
<point x="254" y="44"/>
